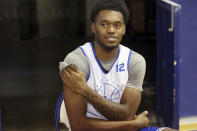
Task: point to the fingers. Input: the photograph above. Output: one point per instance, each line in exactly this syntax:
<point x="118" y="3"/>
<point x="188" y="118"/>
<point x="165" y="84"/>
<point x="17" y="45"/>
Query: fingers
<point x="74" y="68"/>
<point x="145" y="112"/>
<point x="65" y="73"/>
<point x="69" y="70"/>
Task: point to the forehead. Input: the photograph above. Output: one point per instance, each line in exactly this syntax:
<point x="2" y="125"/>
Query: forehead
<point x="110" y="15"/>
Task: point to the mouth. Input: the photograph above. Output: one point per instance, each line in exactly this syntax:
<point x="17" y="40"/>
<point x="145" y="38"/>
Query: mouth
<point x="111" y="38"/>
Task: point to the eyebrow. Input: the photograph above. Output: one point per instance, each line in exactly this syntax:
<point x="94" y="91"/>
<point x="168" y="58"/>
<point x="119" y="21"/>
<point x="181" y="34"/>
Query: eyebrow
<point x="110" y="22"/>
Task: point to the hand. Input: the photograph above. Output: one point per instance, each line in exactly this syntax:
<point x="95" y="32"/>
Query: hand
<point x="142" y="120"/>
<point x="73" y="79"/>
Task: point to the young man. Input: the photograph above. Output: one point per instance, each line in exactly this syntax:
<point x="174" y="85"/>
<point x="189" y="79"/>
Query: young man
<point x="102" y="80"/>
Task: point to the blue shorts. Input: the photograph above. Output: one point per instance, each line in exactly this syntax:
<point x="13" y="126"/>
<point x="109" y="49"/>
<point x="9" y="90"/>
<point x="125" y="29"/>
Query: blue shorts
<point x="152" y="129"/>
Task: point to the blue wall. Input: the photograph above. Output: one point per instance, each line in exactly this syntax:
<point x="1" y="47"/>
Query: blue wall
<point x="188" y="55"/>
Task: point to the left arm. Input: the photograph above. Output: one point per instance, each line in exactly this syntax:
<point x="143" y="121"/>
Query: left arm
<point x="112" y="111"/>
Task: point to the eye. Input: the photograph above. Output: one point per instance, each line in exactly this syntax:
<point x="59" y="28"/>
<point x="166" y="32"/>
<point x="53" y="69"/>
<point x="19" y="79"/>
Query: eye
<point x="104" y="24"/>
<point x="117" y="25"/>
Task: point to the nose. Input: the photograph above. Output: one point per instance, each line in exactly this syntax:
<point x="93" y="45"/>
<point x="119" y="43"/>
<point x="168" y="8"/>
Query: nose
<point x="110" y="29"/>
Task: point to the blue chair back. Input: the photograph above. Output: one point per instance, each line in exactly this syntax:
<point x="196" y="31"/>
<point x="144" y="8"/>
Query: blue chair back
<point x="60" y="114"/>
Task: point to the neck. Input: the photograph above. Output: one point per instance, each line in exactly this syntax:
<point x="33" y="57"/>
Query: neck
<point x="104" y="54"/>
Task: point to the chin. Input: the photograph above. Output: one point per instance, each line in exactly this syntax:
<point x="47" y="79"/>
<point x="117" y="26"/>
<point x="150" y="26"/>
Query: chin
<point x="111" y="47"/>
<point x="108" y="45"/>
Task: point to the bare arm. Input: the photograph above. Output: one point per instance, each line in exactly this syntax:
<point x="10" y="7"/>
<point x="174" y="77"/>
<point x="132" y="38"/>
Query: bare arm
<point x="76" y="110"/>
<point x="113" y="111"/>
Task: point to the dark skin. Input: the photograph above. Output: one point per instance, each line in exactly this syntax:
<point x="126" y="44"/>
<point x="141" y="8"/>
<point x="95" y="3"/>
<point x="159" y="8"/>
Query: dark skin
<point x="108" y="28"/>
<point x="76" y="107"/>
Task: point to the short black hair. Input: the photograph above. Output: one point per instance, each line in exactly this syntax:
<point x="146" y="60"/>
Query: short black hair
<point x="116" y="5"/>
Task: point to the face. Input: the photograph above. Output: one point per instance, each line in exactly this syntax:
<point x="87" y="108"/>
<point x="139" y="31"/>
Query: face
<point x="108" y="28"/>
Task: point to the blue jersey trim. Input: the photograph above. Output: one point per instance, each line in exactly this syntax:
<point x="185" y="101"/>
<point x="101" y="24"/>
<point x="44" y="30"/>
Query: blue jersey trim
<point x="88" y="63"/>
<point x="129" y="60"/>
<point x="99" y="62"/>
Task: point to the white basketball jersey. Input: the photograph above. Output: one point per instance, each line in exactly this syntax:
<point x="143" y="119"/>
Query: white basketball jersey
<point x="109" y="84"/>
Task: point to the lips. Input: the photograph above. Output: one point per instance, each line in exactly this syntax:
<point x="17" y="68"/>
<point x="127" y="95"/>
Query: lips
<point x="111" y="38"/>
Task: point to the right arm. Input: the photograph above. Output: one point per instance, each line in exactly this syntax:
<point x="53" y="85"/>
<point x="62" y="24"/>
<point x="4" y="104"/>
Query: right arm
<point x="76" y="111"/>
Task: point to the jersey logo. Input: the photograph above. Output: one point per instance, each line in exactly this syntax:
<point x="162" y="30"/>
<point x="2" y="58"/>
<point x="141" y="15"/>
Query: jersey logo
<point x="109" y="92"/>
<point x="120" y="67"/>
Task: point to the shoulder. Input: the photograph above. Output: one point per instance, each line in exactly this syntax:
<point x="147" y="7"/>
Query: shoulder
<point x="137" y="63"/>
<point x="136" y="59"/>
<point x="78" y="58"/>
<point x="75" y="57"/>
<point x="75" y="54"/>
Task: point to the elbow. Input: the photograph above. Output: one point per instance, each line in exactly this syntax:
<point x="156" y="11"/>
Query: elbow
<point x="126" y="117"/>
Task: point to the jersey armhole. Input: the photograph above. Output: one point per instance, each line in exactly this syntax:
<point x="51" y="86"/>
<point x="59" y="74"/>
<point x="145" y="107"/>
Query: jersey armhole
<point x="88" y="63"/>
<point x="129" y="60"/>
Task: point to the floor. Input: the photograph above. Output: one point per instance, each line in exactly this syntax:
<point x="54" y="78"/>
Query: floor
<point x="30" y="82"/>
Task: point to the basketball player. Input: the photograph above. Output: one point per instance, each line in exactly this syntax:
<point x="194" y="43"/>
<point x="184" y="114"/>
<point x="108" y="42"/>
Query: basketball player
<point x="102" y="80"/>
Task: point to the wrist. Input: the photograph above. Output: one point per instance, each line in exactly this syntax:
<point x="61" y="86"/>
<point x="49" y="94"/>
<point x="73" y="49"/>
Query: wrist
<point x="85" y="90"/>
<point x="136" y="124"/>
<point x="133" y="125"/>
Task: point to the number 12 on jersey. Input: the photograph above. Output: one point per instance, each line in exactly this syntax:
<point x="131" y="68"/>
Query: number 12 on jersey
<point x="120" y="67"/>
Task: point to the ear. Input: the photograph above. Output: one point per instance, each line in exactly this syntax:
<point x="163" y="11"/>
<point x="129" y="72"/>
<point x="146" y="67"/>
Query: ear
<point x="93" y="28"/>
<point x="124" y="30"/>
